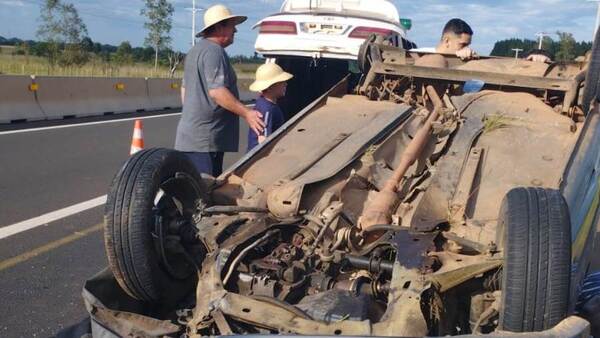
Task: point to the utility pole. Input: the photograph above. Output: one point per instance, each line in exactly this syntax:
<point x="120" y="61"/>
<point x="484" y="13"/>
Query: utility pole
<point x="193" y="23"/>
<point x="541" y="36"/>
<point x="194" y="10"/>
<point x="517" y="50"/>
<point x="597" y="17"/>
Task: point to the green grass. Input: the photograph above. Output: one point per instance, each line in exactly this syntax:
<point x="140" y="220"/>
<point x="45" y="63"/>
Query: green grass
<point x="31" y="65"/>
<point x="495" y="122"/>
<point x="245" y="69"/>
<point x="7" y="49"/>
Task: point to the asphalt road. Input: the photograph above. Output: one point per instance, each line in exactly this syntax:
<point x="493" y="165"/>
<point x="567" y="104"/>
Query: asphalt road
<point x="42" y="270"/>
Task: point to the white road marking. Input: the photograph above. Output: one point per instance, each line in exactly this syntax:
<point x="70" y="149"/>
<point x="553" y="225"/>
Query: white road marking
<point x="86" y="124"/>
<point x="29" y="224"/>
<point x="93" y="123"/>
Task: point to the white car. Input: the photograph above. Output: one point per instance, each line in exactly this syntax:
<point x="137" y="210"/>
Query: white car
<point x="329" y="28"/>
<point x="318" y="41"/>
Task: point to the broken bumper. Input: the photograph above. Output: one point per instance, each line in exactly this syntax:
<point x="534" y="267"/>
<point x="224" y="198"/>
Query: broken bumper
<point x="121" y="318"/>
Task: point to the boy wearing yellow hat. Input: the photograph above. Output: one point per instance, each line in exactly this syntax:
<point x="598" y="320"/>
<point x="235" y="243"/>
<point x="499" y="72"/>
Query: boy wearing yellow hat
<point x="271" y="83"/>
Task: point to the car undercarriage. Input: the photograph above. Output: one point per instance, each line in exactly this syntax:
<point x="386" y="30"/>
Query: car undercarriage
<point x="410" y="205"/>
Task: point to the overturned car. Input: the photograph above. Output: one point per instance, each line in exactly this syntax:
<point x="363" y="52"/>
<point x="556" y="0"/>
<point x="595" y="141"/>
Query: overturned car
<point x="420" y="202"/>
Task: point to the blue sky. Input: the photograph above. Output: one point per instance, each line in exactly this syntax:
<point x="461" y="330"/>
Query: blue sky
<point x="113" y="21"/>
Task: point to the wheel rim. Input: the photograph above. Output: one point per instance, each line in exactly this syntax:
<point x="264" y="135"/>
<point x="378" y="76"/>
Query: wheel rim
<point x="174" y="206"/>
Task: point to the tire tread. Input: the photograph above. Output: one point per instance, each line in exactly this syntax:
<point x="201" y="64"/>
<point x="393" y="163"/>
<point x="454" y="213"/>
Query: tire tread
<point x="535" y="226"/>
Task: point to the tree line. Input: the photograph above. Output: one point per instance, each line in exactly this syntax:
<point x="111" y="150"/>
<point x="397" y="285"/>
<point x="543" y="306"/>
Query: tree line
<point x="566" y="48"/>
<point x="63" y="39"/>
<point x="122" y="54"/>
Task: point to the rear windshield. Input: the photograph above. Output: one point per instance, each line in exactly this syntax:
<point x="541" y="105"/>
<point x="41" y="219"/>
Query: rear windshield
<point x="371" y="9"/>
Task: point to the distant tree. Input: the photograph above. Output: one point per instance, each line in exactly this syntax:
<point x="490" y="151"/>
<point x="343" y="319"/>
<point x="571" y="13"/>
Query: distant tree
<point x="104" y="55"/>
<point x="39" y="49"/>
<point x="124" y="53"/>
<point x="159" y="14"/>
<point x="175" y="59"/>
<point x="143" y="54"/>
<point x="87" y="44"/>
<point x="97" y="47"/>
<point x="14" y="41"/>
<point x="50" y="29"/>
<point x="566" y="50"/>
<point x="22" y="49"/>
<point x="62" y="28"/>
<point x="505" y="47"/>
<point x="74" y="31"/>
<point x="582" y="47"/>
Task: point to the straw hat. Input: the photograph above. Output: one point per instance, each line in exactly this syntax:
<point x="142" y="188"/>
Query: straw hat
<point x="216" y="14"/>
<point x="268" y="75"/>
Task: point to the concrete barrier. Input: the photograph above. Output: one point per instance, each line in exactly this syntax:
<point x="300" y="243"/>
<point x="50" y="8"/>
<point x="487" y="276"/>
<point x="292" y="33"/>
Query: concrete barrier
<point x="247" y="97"/>
<point x="164" y="93"/>
<point x="17" y="100"/>
<point x="25" y="98"/>
<point x="61" y="97"/>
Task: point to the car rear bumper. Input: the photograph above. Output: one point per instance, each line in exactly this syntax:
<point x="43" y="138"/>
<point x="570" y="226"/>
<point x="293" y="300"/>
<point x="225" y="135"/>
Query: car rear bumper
<point x="327" y="47"/>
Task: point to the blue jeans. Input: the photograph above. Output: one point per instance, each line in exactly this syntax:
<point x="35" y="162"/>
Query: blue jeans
<point x="207" y="163"/>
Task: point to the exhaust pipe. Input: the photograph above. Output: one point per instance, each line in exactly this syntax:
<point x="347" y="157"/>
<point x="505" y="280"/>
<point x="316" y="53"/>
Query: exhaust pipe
<point x="379" y="210"/>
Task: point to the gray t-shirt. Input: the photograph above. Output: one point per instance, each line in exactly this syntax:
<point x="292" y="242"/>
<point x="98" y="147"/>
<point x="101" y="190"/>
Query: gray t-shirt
<point x="204" y="125"/>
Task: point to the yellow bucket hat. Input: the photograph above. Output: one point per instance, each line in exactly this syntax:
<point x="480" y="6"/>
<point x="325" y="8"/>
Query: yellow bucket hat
<point x="268" y="75"/>
<point x="219" y="13"/>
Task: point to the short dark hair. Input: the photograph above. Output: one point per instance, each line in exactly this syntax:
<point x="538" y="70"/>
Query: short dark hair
<point x="458" y="27"/>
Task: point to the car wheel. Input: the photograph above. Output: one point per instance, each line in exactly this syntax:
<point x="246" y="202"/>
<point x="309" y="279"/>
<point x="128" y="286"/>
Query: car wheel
<point x="592" y="79"/>
<point x="366" y="55"/>
<point x="149" y="234"/>
<point x="534" y="235"/>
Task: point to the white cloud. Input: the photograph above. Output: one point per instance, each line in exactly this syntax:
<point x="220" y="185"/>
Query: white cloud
<point x="495" y="20"/>
<point x="112" y="21"/>
<point x="13" y="3"/>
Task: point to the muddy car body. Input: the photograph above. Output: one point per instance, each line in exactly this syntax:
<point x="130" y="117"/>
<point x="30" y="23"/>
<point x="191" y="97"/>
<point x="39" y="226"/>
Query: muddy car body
<point x="407" y="205"/>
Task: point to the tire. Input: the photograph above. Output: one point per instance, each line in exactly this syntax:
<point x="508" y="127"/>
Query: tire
<point x="131" y="219"/>
<point x="535" y="237"/>
<point x="592" y="78"/>
<point x="366" y="56"/>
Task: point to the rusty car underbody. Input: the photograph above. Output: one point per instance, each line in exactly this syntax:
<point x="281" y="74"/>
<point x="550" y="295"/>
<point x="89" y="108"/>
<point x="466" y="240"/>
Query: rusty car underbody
<point x="373" y="212"/>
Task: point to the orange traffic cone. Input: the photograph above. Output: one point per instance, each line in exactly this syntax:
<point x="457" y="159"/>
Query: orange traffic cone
<point x="137" y="143"/>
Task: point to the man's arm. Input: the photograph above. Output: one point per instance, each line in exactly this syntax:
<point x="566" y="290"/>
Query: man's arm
<point x="538" y="55"/>
<point x="466" y="54"/>
<point x="182" y="95"/>
<point x="224" y="98"/>
<point x="539" y="58"/>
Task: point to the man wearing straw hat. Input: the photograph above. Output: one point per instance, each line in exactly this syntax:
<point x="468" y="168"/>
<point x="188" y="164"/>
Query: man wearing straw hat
<point x="209" y="125"/>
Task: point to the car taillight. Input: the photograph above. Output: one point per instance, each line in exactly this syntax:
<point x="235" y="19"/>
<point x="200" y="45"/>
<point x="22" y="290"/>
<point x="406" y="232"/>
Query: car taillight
<point x="365" y="32"/>
<point x="278" y="27"/>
